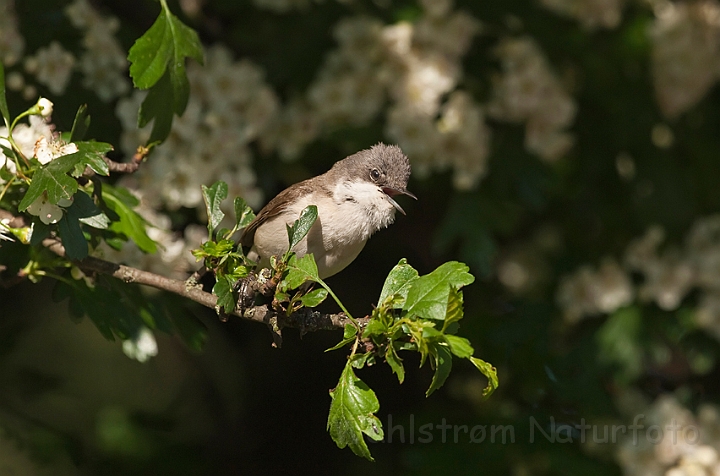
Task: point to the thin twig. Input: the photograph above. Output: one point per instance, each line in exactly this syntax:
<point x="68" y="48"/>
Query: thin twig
<point x="306" y="319"/>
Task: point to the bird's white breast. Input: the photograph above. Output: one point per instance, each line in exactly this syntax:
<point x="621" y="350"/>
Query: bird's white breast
<point x="345" y="221"/>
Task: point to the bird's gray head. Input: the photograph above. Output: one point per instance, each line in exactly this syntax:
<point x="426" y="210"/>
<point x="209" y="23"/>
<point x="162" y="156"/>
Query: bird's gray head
<point x="384" y="165"/>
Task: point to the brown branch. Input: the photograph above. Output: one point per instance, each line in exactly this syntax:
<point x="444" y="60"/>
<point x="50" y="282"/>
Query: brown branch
<point x="307" y="320"/>
<point x="128" y="167"/>
<point x="123" y="167"/>
<point x="304" y="319"/>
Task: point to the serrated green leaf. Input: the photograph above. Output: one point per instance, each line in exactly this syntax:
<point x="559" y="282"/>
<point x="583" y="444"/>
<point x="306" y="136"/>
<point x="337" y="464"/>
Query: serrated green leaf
<point x="80" y="124"/>
<point x="490" y="372"/>
<point x="442" y="360"/>
<point x="151" y="53"/>
<point x="300" y="270"/>
<point x="73" y="239"/>
<point x="92" y="154"/>
<point x="454" y="310"/>
<point x="398" y="282"/>
<point x="428" y="295"/>
<point x="459" y="346"/>
<point x="167" y="43"/>
<point x="352" y="414"/>
<point x="358" y="361"/>
<point x="109" y="305"/>
<point x="213" y="197"/>
<point x="244" y="215"/>
<point x="395" y="363"/>
<point x="129" y="223"/>
<point x="53" y="179"/>
<point x="223" y="289"/>
<point x="314" y="297"/>
<point x="302" y="226"/>
<point x="84" y="209"/>
<point x="349" y="334"/>
<point x="157" y="62"/>
<point x="375" y="327"/>
<point x="156" y="107"/>
<point x="214" y="249"/>
<point x="3" y="100"/>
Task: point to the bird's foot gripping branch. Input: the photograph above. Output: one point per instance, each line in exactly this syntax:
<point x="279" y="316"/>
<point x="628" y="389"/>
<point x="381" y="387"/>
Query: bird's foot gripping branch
<point x="413" y="313"/>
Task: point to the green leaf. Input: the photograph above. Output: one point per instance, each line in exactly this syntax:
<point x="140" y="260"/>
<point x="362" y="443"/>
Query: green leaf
<point x="80" y="124"/>
<point x="454" y="308"/>
<point x="398" y="282"/>
<point x="490" y="372"/>
<point x="442" y="360"/>
<point x="428" y="295"/>
<point x="459" y="346"/>
<point x="302" y="226"/>
<point x="92" y="154"/>
<point x="244" y="215"/>
<point x="395" y="363"/>
<point x="349" y="334"/>
<point x="300" y="270"/>
<point x="352" y="413"/>
<point x="375" y="327"/>
<point x="40" y="232"/>
<point x="129" y="223"/>
<point x="223" y="289"/>
<point x="156" y="107"/>
<point x="84" y="210"/>
<point x="213" y="249"/>
<point x="3" y="100"/>
<point x="314" y="298"/>
<point x="108" y="305"/>
<point x="52" y="178"/>
<point x="73" y="239"/>
<point x="157" y="62"/>
<point x="213" y="197"/>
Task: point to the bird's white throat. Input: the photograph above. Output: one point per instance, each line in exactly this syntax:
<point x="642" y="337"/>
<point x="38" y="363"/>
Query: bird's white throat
<point x="346" y="219"/>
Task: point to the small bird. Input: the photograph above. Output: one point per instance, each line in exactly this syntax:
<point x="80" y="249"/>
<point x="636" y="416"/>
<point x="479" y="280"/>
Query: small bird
<point x="354" y="199"/>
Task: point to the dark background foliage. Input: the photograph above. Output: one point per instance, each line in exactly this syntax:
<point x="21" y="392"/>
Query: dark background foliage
<point x="72" y="402"/>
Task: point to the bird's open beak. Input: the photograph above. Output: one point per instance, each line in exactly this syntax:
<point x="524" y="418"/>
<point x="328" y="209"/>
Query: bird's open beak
<point x="391" y="192"/>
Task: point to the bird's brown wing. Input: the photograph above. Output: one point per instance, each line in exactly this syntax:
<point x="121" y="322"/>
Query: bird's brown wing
<point x="275" y="207"/>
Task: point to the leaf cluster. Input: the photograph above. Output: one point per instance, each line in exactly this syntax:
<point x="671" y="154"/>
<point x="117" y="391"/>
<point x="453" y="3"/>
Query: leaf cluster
<point x="223" y="256"/>
<point x="414" y="313"/>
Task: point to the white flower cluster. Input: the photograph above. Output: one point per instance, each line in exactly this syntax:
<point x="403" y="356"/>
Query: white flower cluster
<point x="26" y="136"/>
<point x="12" y="44"/>
<point x="667" y="277"/>
<point x="427" y="56"/>
<point x="592" y="14"/>
<point x="52" y="67"/>
<point x="672" y="441"/>
<point x="230" y="106"/>
<point x="415" y="66"/>
<point x="103" y="63"/>
<point x="589" y="292"/>
<point x="685" y="52"/>
<point x="528" y="91"/>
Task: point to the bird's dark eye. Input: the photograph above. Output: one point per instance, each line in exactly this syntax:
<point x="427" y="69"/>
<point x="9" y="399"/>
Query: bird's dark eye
<point x="375" y="174"/>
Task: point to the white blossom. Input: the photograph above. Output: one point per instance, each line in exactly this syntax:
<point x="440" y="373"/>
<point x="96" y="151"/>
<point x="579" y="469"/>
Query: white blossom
<point x="52" y="66"/>
<point x="46" y="151"/>
<point x="142" y="346"/>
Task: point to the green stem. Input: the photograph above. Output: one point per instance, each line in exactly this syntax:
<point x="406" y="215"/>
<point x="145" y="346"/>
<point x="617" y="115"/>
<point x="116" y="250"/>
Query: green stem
<point x="337" y="300"/>
<point x="6" y="187"/>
